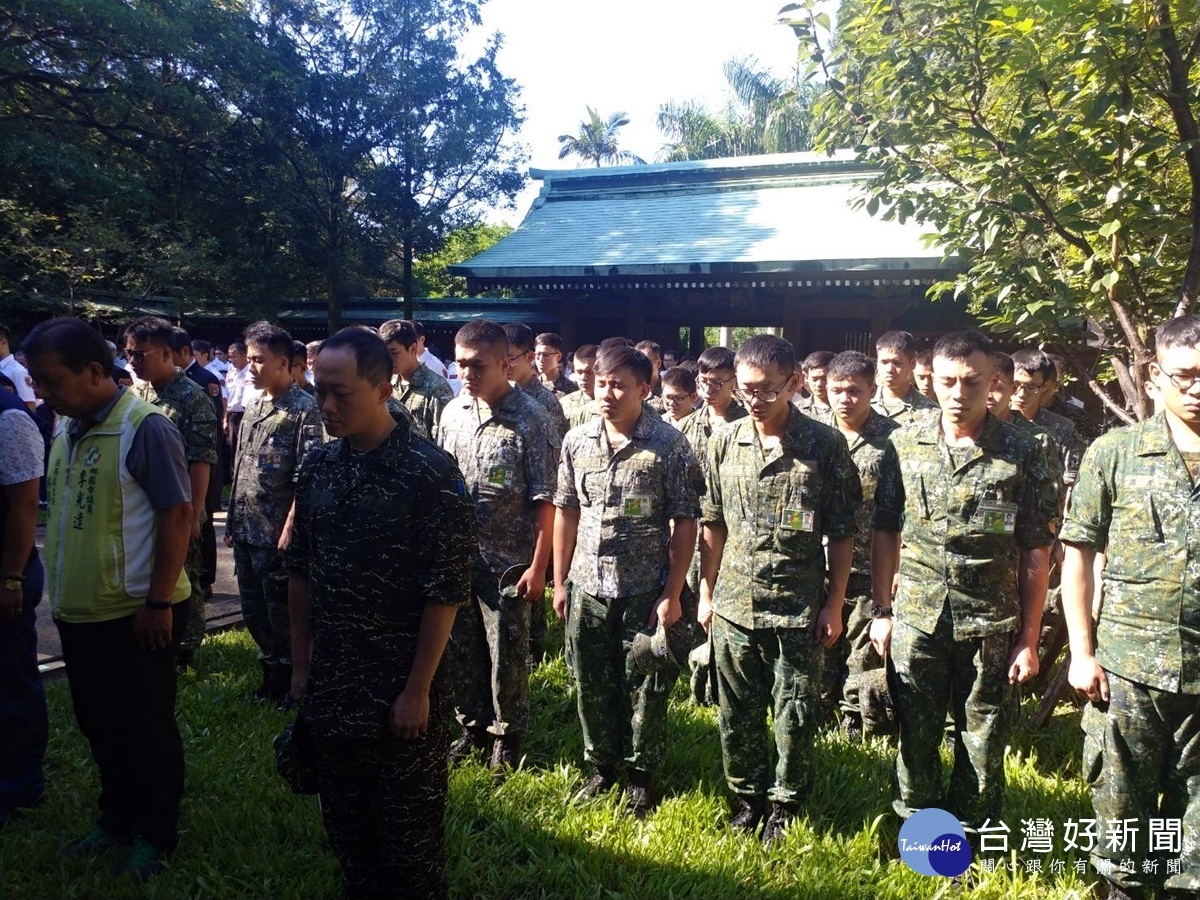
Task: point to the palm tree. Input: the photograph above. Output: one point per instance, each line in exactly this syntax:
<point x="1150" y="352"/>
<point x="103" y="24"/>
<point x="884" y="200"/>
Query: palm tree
<point x="597" y="140"/>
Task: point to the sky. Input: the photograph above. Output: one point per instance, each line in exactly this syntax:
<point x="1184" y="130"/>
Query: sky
<point x="624" y="56"/>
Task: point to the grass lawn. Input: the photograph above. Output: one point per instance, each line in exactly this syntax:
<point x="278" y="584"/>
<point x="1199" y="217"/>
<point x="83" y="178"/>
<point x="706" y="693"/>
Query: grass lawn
<point x="246" y="836"/>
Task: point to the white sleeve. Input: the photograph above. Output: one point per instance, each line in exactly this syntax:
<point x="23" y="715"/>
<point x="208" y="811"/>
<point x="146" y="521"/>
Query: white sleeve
<point x="21" y="449"/>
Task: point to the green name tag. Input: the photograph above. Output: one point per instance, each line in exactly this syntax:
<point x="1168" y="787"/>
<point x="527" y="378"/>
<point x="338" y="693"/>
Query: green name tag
<point x="636" y="505"/>
<point x="501" y="476"/>
<point x="997" y="518"/>
<point x="797" y="520"/>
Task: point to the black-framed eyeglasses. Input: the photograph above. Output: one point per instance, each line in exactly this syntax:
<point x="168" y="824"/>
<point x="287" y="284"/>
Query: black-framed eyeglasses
<point x="136" y="356"/>
<point x="713" y="384"/>
<point x="765" y="395"/>
<point x="1027" y="387"/>
<point x="1183" y="381"/>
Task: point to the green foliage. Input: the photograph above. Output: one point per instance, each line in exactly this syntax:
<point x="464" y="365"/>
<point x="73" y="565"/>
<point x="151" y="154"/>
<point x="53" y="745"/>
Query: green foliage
<point x="1051" y="144"/>
<point x="431" y="271"/>
<point x="597" y="141"/>
<point x="245" y="836"/>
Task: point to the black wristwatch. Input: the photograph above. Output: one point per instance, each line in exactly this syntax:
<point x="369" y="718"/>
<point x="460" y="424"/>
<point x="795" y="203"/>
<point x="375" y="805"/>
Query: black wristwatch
<point x="881" y="612"/>
<point x="158" y="604"/>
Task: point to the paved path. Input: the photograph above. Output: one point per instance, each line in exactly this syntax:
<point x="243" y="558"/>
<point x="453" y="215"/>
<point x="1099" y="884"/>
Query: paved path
<point x="223" y="604"/>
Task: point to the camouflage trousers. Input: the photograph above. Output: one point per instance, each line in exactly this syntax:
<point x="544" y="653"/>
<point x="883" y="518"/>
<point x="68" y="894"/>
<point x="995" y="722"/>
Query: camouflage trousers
<point x="933" y="673"/>
<point x="847" y="661"/>
<point x="193" y="633"/>
<point x="761" y="670"/>
<point x="489" y="653"/>
<point x="383" y="802"/>
<point x="1143" y="743"/>
<point x="622" y="712"/>
<point x="263" y="589"/>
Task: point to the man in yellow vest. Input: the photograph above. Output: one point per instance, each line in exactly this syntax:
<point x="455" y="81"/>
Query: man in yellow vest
<point x="119" y="522"/>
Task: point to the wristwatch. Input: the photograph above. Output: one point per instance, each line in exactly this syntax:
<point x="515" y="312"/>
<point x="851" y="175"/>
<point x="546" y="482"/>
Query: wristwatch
<point x="158" y="604"/>
<point x="12" y="582"/>
<point x="881" y="612"/>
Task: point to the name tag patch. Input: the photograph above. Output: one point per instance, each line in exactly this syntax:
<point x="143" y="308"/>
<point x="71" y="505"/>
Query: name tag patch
<point x="637" y="505"/>
<point x="997" y="518"/>
<point x="271" y="460"/>
<point x="501" y="476"/>
<point x="798" y="519"/>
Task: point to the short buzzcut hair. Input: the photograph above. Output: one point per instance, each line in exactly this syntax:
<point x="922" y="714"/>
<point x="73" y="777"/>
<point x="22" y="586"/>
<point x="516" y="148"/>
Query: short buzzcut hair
<point x="76" y="343"/>
<point x="688" y="365"/>
<point x="240" y="346"/>
<point x="1004" y="365"/>
<point x="925" y="358"/>
<point x="1182" y="331"/>
<point x="898" y="342"/>
<point x="850" y="364"/>
<point x="615" y="342"/>
<point x="610" y="359"/>
<point x="313" y="347"/>
<point x="482" y="334"/>
<point x="818" y="359"/>
<point x="1033" y="361"/>
<point x="549" y="339"/>
<point x="678" y="377"/>
<point x="650" y="348"/>
<point x="180" y="339"/>
<point x="201" y="346"/>
<point x="373" y="362"/>
<point x="586" y="353"/>
<point x="961" y="344"/>
<point x="153" y="330"/>
<point x="276" y="341"/>
<point x="398" y="331"/>
<point x="299" y="352"/>
<point x="714" y="359"/>
<point x="764" y="349"/>
<point x="5" y="332"/>
<point x="519" y="336"/>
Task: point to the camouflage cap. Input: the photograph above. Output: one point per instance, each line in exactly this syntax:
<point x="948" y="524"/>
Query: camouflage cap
<point x="665" y="649"/>
<point x="509" y="579"/>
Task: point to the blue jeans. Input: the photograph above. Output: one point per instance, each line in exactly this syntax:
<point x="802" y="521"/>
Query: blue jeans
<point x="23" y="718"/>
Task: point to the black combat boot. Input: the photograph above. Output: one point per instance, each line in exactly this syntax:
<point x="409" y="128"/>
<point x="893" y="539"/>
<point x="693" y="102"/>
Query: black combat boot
<point x="747" y="812"/>
<point x="263" y="691"/>
<point x="639" y="800"/>
<point x="781" y="816"/>
<point x="281" y="686"/>
<point x="468" y="742"/>
<point x="604" y="779"/>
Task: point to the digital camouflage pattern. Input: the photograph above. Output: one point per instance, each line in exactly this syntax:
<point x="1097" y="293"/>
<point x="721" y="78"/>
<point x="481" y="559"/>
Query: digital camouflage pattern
<point x="623" y="713"/>
<point x="1135" y="502"/>
<point x="560" y="386"/>
<point x="424" y="395"/>
<point x="760" y="669"/>
<point x="378" y="535"/>
<point x="580" y="409"/>
<point x="814" y="409"/>
<point x="903" y="411"/>
<point x="700" y="426"/>
<point x="550" y="404"/>
<point x="509" y="458"/>
<point x="777" y="509"/>
<point x="626" y="500"/>
<point x="1145" y="743"/>
<point x="963" y="525"/>
<point x="1049" y="451"/>
<point x="1066" y="439"/>
<point x="262" y="590"/>
<point x="275" y="437"/>
<point x="1085" y="427"/>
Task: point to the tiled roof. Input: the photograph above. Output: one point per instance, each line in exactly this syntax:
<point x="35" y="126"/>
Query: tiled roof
<point x="783" y="213"/>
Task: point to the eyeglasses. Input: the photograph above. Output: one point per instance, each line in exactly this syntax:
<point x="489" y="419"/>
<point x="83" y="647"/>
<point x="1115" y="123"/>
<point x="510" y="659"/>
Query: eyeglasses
<point x="515" y="356"/>
<point x="136" y="356"/>
<point x="1027" y="387"/>
<point x="713" y="384"/>
<point x="1183" y="381"/>
<point x="766" y="396"/>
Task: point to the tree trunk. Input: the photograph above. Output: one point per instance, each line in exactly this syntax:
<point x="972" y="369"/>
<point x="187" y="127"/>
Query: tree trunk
<point x="333" y="272"/>
<point x="406" y="279"/>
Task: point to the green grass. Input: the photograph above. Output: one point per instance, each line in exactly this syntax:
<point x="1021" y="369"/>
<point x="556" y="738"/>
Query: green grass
<point x="246" y="836"/>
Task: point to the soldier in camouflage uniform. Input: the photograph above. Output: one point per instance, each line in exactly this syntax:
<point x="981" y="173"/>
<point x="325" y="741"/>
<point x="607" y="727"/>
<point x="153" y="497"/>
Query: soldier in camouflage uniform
<point x="777" y="483"/>
<point x="1033" y="372"/>
<point x="149" y="344"/>
<point x="625" y="531"/>
<point x="816" y="404"/>
<point x="679" y="397"/>
<point x="548" y="356"/>
<point x="1136" y="502"/>
<point x="582" y="406"/>
<point x="972" y="503"/>
<point x="898" y="397"/>
<point x="1073" y="410"/>
<point x="379" y="562"/>
<point x="278" y="429"/>
<point x="507" y="450"/>
<point x="654" y="353"/>
<point x="423" y="392"/>
<point x="850" y="380"/>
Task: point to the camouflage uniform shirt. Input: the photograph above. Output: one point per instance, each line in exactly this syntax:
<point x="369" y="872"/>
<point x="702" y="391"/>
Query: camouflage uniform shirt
<point x="1087" y="429"/>
<point x="560" y="386"/>
<point x="275" y="436"/>
<point x="1049" y="451"/>
<point x="580" y="408"/>
<point x="378" y="535"/>
<point x="903" y="411"/>
<point x="1135" y="501"/>
<point x="191" y="411"/>
<point x="963" y="523"/>
<point x="508" y="455"/>
<point x="777" y="508"/>
<point x="867" y="450"/>
<point x="1070" y="447"/>
<point x="699" y="428"/>
<point x="550" y="404"/>
<point x="424" y="395"/>
<point x="626" y="501"/>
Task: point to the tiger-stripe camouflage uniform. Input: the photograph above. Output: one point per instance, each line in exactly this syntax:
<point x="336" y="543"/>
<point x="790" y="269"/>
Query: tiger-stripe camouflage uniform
<point x="424" y="395"/>
<point x="963" y="515"/>
<point x="188" y="406"/>
<point x="626" y="501"/>
<point x="378" y="535"/>
<point x="1135" y="501"/>
<point x="274" y="437"/>
<point x="777" y="507"/>
<point x="903" y="411"/>
<point x="509" y="458"/>
<point x="852" y="657"/>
